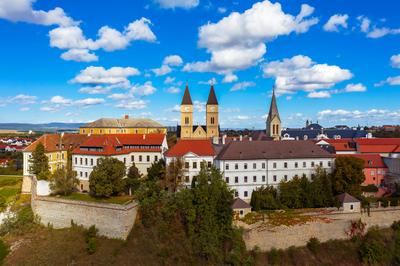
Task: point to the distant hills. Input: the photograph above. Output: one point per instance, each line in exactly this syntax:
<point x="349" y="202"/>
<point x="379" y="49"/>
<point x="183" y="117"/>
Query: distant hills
<point x="48" y="127"/>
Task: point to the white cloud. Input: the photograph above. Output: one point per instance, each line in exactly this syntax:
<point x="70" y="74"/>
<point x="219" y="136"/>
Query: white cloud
<point x="25" y="109"/>
<point x="199" y="106"/>
<point x="143" y="90"/>
<point x="229" y="78"/>
<point x="335" y="22"/>
<point x="301" y="73"/>
<point x="161" y="71"/>
<point x="372" y="115"/>
<point x="242" y="85"/>
<point x="60" y="100"/>
<point x="96" y="90"/>
<point x="238" y="40"/>
<point x="101" y="76"/>
<point x="79" y="55"/>
<point x="132" y="104"/>
<point x="355" y="88"/>
<point x="172" y="4"/>
<point x="393" y="81"/>
<point x="109" y="39"/>
<point x="173" y="60"/>
<point x="23" y="99"/>
<point x="169" y="80"/>
<point x="221" y="10"/>
<point x="365" y="23"/>
<point x="22" y="11"/>
<point x="395" y="61"/>
<point x="48" y="109"/>
<point x="173" y="90"/>
<point x="176" y="109"/>
<point x="89" y="102"/>
<point x="319" y="94"/>
<point x="375" y="31"/>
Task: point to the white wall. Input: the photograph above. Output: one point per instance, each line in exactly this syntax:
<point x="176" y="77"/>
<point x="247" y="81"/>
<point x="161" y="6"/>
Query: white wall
<point x="266" y="172"/>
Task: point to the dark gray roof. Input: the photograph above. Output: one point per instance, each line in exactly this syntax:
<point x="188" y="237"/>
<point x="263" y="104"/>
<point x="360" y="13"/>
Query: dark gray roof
<point x="212" y="98"/>
<point x="329" y="132"/>
<point x="238" y="203"/>
<point x="186" y="97"/>
<point x="273" y="109"/>
<point x="251" y="150"/>
<point x="347" y="198"/>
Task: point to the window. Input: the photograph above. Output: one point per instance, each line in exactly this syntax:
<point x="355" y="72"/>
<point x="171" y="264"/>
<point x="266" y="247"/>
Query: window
<point x="91" y="161"/>
<point x="296" y="165"/>
<point x="81" y="161"/>
<point x="254" y="179"/>
<point x="187" y="165"/>
<point x="254" y="165"/>
<point x="227" y="180"/>
<point x="274" y="178"/>
<point x="246" y="194"/>
<point x="304" y="164"/>
<point x="156" y="158"/>
<point x="132" y="158"/>
<point x="245" y="166"/>
<point x="312" y="164"/>
<point x="241" y="212"/>
<point x="321" y="164"/>
<point x="263" y="165"/>
<point x="329" y="163"/>
<point x="124" y="160"/>
<point x="372" y="173"/>
<point x="80" y="174"/>
<point x="140" y="158"/>
<point x="236" y="194"/>
<point x="187" y="120"/>
<point x="274" y="165"/>
<point x="285" y="177"/>
<point x="187" y="179"/>
<point x="263" y="178"/>
<point x="209" y="164"/>
<point x="148" y="158"/>
<point x="245" y="179"/>
<point x="236" y="166"/>
<point x="226" y="166"/>
<point x="285" y="165"/>
<point x="76" y="160"/>
<point x="194" y="165"/>
<point x="236" y="179"/>
<point x="212" y="120"/>
<point x="86" y="174"/>
<point x="351" y="207"/>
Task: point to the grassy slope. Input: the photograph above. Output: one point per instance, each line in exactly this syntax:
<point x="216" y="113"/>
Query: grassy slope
<point x="10" y="187"/>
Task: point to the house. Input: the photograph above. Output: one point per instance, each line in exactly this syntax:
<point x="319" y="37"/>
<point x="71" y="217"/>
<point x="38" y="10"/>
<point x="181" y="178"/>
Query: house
<point x="126" y="125"/>
<point x="338" y="146"/>
<point x="4" y="162"/>
<point x="194" y="153"/>
<point x="382" y="146"/>
<point x="240" y="208"/>
<point x="374" y="168"/>
<point x="349" y="203"/>
<point x="246" y="166"/>
<point x="139" y="149"/>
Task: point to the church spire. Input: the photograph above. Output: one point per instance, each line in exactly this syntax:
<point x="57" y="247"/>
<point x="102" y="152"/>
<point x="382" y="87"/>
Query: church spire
<point x="187" y="100"/>
<point x="212" y="98"/>
<point x="273" y="110"/>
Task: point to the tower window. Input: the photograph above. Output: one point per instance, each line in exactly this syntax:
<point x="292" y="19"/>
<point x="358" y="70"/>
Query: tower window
<point x="187" y="120"/>
<point x="212" y="120"/>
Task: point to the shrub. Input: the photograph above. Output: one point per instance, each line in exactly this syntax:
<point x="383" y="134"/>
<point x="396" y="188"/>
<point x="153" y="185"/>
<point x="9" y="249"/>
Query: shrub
<point x="313" y="244"/>
<point x="2" y="202"/>
<point x="91" y="232"/>
<point x="3" y="251"/>
<point x="356" y="230"/>
<point x="396" y="226"/>
<point x="274" y="256"/>
<point x="372" y="252"/>
<point x="24" y="220"/>
<point x="370" y="188"/>
<point x="91" y="241"/>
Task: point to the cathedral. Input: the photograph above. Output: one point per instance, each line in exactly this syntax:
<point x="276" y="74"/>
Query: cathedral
<point x="189" y="131"/>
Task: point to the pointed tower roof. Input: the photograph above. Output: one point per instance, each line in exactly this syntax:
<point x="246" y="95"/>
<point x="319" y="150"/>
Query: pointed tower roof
<point x="273" y="109"/>
<point x="212" y="98"/>
<point x="186" y="97"/>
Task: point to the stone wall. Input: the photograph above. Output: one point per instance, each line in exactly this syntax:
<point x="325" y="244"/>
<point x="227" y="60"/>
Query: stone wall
<point x="26" y="184"/>
<point x="112" y="220"/>
<point x="329" y="227"/>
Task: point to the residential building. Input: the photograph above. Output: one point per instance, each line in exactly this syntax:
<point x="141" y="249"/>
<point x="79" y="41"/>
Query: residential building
<point x="187" y="130"/>
<point x="349" y="203"/>
<point x="139" y="149"/>
<point x="56" y="147"/>
<point x="375" y="169"/>
<point x="382" y="146"/>
<point x="194" y="154"/>
<point x="126" y="125"/>
<point x="338" y="146"/>
<point x="249" y="165"/>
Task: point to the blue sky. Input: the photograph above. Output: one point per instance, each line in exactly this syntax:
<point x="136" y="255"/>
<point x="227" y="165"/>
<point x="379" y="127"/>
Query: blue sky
<point x="335" y="61"/>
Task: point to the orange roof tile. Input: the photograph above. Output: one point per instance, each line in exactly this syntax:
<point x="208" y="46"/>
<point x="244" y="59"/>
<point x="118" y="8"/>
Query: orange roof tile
<point x="370" y="160"/>
<point x="198" y="147"/>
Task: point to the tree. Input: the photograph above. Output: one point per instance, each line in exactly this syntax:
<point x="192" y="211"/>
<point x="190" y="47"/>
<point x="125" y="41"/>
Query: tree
<point x="290" y="193"/>
<point x="39" y="163"/>
<point x="157" y="171"/>
<point x="133" y="179"/>
<point x="265" y="198"/>
<point x="348" y="175"/>
<point x="174" y="175"/>
<point x="63" y="182"/>
<point x="106" y="178"/>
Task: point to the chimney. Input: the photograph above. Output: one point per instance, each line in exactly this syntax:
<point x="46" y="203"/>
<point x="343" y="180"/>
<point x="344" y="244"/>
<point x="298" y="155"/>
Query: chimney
<point x="144" y="136"/>
<point x="240" y="138"/>
<point x="126" y="116"/>
<point x="215" y="140"/>
<point x="223" y="139"/>
<point x="250" y="139"/>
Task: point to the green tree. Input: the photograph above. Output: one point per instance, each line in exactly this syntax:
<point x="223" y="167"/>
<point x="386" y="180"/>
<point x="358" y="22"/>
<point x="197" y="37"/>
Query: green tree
<point x="39" y="163"/>
<point x="348" y="175"/>
<point x="63" y="182"/>
<point x="265" y="198"/>
<point x="157" y="171"/>
<point x="133" y="179"/>
<point x="290" y="193"/>
<point x="106" y="178"/>
<point x="174" y="175"/>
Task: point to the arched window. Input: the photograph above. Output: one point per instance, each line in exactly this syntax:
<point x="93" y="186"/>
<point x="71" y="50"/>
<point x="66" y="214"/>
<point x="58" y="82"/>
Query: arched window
<point x="187" y="120"/>
<point x="212" y="120"/>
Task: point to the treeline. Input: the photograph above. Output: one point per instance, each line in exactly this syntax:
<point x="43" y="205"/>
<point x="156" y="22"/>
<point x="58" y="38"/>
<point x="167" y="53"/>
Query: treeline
<point x="320" y="191"/>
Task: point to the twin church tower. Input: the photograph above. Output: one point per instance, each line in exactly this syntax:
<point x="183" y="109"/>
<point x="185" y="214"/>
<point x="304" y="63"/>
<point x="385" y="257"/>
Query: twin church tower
<point x="189" y="131"/>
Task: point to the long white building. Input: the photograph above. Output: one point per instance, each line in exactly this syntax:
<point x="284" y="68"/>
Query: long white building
<point x="249" y="165"/>
<point x="139" y="149"/>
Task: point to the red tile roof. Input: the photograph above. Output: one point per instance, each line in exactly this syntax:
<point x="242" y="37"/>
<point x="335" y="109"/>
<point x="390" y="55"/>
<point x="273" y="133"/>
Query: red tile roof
<point x="51" y="142"/>
<point x="370" y="160"/>
<point x="115" y="144"/>
<point x="198" y="147"/>
<point x="379" y="145"/>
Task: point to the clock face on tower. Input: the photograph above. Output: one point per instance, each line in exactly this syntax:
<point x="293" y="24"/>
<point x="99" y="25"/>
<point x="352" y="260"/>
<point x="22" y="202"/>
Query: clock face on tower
<point x="187" y="109"/>
<point x="212" y="109"/>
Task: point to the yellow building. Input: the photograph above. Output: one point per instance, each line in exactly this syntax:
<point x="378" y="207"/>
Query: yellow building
<point x="125" y="125"/>
<point x="274" y="127"/>
<point x="189" y="131"/>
